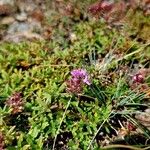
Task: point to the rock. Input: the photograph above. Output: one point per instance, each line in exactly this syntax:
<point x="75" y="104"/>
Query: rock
<point x="7" y="21"/>
<point x="22" y="36"/>
<point x="73" y="37"/>
<point x="26" y="5"/>
<point x="147" y="111"/>
<point x="25" y="24"/>
<point x="10" y="2"/>
<point x="30" y="8"/>
<point x="20" y="31"/>
<point x="18" y="27"/>
<point x="31" y="26"/>
<point x="35" y="25"/>
<point x="21" y="17"/>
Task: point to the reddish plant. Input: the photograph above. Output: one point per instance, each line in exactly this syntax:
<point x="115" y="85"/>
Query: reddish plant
<point x="100" y="7"/>
<point x="111" y="11"/>
<point x="130" y="127"/>
<point x="15" y="102"/>
<point x="1" y="141"/>
<point x="74" y="86"/>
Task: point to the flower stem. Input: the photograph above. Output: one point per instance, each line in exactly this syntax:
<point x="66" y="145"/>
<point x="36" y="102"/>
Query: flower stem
<point x="57" y="132"/>
<point x="97" y="132"/>
<point x="121" y="146"/>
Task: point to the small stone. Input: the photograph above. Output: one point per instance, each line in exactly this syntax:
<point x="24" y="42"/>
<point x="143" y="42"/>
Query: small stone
<point x="18" y="37"/>
<point x="147" y="111"/>
<point x="7" y="20"/>
<point x="18" y="27"/>
<point x="35" y="26"/>
<point x="26" y="5"/>
<point x="21" y="17"/>
<point x="10" y="2"/>
<point x="32" y="36"/>
<point x="73" y="37"/>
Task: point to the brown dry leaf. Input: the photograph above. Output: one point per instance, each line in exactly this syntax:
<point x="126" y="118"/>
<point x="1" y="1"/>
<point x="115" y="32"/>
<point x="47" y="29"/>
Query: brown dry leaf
<point x="147" y="93"/>
<point x="37" y="15"/>
<point x="47" y="32"/>
<point x="24" y="64"/>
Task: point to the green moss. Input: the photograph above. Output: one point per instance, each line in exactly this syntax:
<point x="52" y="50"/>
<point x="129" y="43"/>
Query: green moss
<point x="39" y="70"/>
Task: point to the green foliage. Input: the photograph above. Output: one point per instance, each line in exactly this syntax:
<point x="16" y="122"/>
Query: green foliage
<point x="39" y="70"/>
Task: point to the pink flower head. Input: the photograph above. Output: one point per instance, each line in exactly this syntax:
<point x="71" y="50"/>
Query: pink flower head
<point x="79" y="77"/>
<point x="81" y="74"/>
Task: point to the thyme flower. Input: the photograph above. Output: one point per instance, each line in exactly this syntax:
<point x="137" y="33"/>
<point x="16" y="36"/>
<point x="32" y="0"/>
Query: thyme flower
<point x="79" y="77"/>
<point x="81" y="74"/>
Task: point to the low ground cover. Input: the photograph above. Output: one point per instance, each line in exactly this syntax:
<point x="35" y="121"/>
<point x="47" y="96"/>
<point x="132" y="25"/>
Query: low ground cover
<point x="88" y="87"/>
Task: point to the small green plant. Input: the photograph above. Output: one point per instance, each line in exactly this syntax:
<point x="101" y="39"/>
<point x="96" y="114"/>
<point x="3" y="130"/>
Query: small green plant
<point x="80" y="90"/>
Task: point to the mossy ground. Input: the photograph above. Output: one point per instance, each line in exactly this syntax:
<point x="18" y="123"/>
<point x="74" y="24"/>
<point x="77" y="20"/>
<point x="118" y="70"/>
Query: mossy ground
<point x="39" y="70"/>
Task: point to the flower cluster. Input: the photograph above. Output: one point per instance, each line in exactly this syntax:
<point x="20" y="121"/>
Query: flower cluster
<point x="99" y="7"/>
<point x="138" y="81"/>
<point x="138" y="78"/>
<point x="79" y="77"/>
<point x="110" y="11"/>
<point x="15" y="102"/>
<point x="80" y="74"/>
